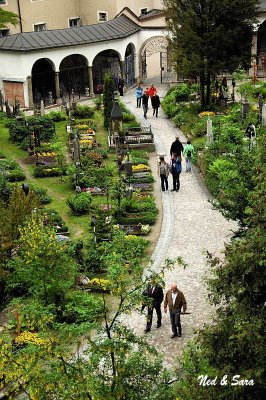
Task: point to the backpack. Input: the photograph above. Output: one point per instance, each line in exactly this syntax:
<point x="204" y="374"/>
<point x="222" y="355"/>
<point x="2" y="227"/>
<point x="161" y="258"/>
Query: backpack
<point x="162" y="169"/>
<point x="189" y="153"/>
<point x="176" y="166"/>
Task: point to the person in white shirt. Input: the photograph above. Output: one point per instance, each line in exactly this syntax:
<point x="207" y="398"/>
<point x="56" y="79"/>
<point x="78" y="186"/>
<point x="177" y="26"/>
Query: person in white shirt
<point x="175" y="300"/>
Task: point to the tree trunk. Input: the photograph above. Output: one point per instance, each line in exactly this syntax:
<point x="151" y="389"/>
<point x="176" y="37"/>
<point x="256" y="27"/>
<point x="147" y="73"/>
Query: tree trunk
<point x="202" y="93"/>
<point x="208" y="89"/>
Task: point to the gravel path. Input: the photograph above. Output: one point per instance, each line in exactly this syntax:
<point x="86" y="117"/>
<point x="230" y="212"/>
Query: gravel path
<point x="189" y="227"/>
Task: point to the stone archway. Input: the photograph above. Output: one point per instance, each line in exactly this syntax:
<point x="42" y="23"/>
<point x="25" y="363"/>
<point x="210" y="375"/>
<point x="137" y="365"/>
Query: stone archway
<point x="43" y="81"/>
<point x="73" y="76"/>
<point x="150" y="66"/>
<point x="105" y="61"/>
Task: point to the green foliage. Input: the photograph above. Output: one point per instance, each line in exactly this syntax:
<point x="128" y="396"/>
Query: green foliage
<point x="57" y="116"/>
<point x="41" y="193"/>
<point x="108" y="95"/>
<point x="41" y="267"/>
<point x="7" y="17"/>
<point x="82" y="112"/>
<point x="80" y="204"/>
<point x="196" y="38"/>
<point x="128" y="117"/>
<point x="46" y="170"/>
<point x="41" y="124"/>
<point x="81" y="307"/>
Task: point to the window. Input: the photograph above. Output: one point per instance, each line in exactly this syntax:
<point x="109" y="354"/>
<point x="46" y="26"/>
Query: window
<point x="40" y="27"/>
<point x="143" y="11"/>
<point x="74" y="22"/>
<point x="102" y="16"/>
<point x="4" y="32"/>
<point x="3" y="2"/>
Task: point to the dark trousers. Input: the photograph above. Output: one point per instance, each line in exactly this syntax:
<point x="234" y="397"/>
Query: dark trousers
<point x="145" y="109"/>
<point x="164" y="182"/>
<point x="176" y="182"/>
<point x="155" y="112"/>
<point x="157" y="308"/>
<point x="139" y="102"/>
<point x="175" y="321"/>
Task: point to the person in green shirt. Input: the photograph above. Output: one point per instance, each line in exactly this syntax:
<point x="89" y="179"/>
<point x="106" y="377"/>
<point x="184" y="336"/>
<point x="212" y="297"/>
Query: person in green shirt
<point x="188" y="153"/>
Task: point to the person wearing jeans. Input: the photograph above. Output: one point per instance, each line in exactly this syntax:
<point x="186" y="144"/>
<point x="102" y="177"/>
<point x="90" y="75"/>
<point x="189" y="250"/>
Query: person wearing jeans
<point x="175" y="300"/>
<point x="139" y="92"/>
<point x="145" y="100"/>
<point x="163" y="172"/>
<point x="188" y="153"/>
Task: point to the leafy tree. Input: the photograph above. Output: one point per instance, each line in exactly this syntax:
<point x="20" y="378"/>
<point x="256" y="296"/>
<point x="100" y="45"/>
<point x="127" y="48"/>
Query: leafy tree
<point x="108" y="98"/>
<point x="7" y="17"/>
<point x="209" y="37"/>
<point x="41" y="267"/>
<point x="13" y="216"/>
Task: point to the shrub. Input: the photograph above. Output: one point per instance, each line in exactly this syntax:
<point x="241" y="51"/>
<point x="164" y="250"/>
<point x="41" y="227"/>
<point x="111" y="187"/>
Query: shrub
<point x="128" y="117"/>
<point x="57" y="116"/>
<point x="42" y="193"/>
<point x="15" y="175"/>
<point x="82" y="112"/>
<point x="80" y="204"/>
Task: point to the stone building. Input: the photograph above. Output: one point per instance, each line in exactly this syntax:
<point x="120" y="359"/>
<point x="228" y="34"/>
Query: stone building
<point x="39" y="15"/>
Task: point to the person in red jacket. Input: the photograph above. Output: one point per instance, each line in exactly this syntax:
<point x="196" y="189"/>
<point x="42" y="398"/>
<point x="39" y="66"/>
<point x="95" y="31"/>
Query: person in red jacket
<point x="152" y="90"/>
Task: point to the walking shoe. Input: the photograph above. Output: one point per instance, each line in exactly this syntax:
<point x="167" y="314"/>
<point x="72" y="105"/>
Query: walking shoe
<point x="158" y="325"/>
<point x="173" y="335"/>
<point x="172" y="190"/>
<point x="147" y="330"/>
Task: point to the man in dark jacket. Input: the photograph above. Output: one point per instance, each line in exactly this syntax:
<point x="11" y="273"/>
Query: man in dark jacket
<point x="154" y="296"/>
<point x="176" y="147"/>
<point x="145" y="101"/>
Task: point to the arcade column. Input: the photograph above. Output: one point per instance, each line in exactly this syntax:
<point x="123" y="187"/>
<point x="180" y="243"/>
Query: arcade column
<point x="57" y="89"/>
<point x="29" y="83"/>
<point x="91" y="82"/>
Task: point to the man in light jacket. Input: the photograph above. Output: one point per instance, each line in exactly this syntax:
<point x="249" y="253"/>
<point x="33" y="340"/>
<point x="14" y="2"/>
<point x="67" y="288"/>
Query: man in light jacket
<point x="175" y="300"/>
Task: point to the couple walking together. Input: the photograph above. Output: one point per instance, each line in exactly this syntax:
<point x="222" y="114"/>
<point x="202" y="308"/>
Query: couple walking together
<point x="174" y="300"/>
<point x="175" y="167"/>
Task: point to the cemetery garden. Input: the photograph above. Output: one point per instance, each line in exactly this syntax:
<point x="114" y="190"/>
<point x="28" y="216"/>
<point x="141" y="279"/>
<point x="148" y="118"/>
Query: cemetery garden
<point x="77" y="207"/>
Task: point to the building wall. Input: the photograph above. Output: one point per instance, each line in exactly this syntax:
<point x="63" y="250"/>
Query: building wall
<point x="56" y="13"/>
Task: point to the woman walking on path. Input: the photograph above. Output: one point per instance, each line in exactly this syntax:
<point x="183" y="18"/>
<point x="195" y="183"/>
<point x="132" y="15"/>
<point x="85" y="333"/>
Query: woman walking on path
<point x="188" y="153"/>
<point x="163" y="171"/>
<point x="139" y="93"/>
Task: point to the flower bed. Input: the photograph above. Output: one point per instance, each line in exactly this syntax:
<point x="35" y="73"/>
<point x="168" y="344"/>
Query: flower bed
<point x="93" y="190"/>
<point x="46" y="171"/>
<point x="138" y="229"/>
<point x="140" y="168"/>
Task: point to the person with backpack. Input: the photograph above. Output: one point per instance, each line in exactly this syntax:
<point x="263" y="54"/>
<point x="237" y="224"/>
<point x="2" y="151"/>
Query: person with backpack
<point x="175" y="169"/>
<point x="163" y="172"/>
<point x="188" y="153"/>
